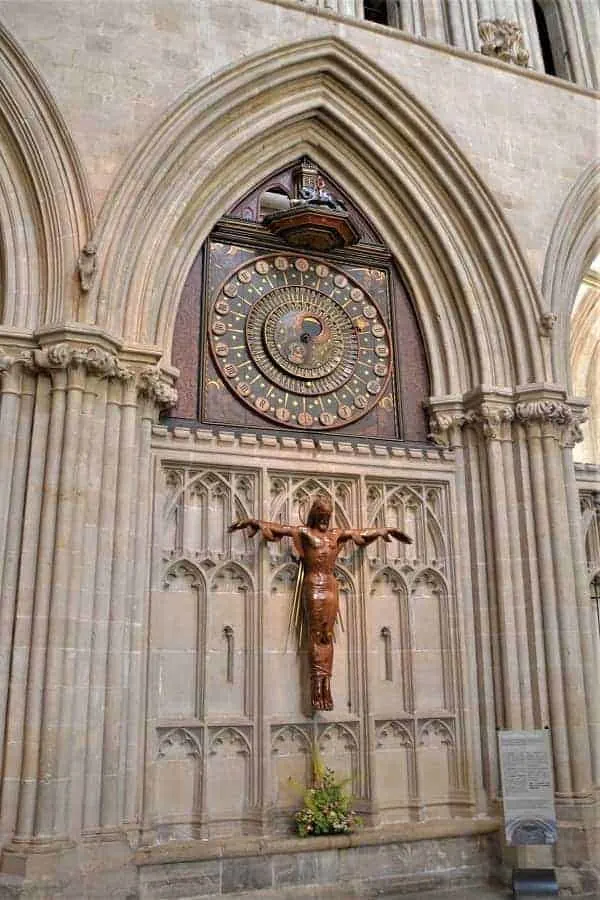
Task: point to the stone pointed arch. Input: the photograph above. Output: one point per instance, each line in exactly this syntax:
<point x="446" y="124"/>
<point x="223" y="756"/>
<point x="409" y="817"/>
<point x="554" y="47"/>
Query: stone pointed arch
<point x="574" y="243"/>
<point x="45" y="206"/>
<point x="477" y="307"/>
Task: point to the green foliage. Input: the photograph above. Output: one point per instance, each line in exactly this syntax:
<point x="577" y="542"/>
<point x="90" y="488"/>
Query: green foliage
<point x="327" y="807"/>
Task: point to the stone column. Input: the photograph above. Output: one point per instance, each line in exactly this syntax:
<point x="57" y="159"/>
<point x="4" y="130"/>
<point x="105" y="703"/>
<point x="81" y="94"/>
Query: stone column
<point x="494" y="417"/>
<point x="587" y="623"/>
<point x="16" y="415"/>
<point x="545" y="419"/>
<point x="428" y="19"/>
<point x="446" y="424"/>
<point x="80" y="596"/>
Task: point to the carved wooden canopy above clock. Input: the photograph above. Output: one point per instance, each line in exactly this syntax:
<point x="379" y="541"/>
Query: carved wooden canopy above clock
<point x="279" y="337"/>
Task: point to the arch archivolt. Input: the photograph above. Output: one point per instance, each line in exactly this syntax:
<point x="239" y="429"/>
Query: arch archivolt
<point x="45" y="206"/>
<point x="574" y="244"/>
<point x="477" y="307"/>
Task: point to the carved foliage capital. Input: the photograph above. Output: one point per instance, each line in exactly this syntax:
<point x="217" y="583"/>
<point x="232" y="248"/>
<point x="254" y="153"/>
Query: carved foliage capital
<point x="494" y="420"/>
<point x="150" y="383"/>
<point x="93" y="359"/>
<point x="543" y="411"/>
<point x="503" y="39"/>
<point x="554" y="416"/>
<point x="13" y="363"/>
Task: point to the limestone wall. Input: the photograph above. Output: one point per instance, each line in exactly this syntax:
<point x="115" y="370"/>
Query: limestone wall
<point x="146" y="692"/>
<point x="114" y="70"/>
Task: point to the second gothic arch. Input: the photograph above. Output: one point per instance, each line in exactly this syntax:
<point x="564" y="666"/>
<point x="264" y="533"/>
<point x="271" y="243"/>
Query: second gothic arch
<point x="477" y="307"/>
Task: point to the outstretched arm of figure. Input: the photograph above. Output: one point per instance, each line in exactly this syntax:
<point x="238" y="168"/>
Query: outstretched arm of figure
<point x="366" y="536"/>
<point x="270" y="531"/>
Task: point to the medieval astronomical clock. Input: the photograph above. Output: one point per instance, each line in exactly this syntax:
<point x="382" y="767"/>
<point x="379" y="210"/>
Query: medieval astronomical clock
<point x="300" y="342"/>
<point x="299" y="314"/>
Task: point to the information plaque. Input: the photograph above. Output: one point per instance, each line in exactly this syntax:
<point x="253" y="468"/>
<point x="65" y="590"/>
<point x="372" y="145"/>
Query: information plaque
<point x="527" y="787"/>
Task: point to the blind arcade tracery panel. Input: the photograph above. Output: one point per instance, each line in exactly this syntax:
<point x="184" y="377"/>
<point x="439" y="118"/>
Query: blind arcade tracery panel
<point x="227" y="713"/>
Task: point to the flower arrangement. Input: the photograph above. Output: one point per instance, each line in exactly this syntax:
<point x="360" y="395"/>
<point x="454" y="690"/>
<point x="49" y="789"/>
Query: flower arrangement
<point x="327" y="807"/>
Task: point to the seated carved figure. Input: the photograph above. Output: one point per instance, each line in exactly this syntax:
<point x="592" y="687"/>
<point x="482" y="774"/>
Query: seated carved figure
<point x="318" y="546"/>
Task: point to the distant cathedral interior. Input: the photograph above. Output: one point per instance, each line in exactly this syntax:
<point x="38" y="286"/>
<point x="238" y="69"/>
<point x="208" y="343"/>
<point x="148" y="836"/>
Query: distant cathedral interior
<point x="254" y="253"/>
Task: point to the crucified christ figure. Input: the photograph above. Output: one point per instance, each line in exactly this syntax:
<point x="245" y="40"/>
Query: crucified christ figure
<point x="318" y="546"/>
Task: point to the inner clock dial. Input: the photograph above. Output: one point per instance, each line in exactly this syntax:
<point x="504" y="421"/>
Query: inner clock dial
<point x="300" y="342"/>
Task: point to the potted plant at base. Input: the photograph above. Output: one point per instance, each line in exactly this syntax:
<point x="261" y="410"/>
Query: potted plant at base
<point x="327" y="806"/>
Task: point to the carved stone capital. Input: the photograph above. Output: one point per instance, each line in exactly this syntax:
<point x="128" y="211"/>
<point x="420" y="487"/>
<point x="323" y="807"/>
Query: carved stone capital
<point x="444" y="427"/>
<point x="572" y="433"/>
<point x="554" y="418"/>
<point x="494" y="420"/>
<point x="554" y="412"/>
<point x="94" y="360"/>
<point x="153" y="385"/>
<point x="6" y="361"/>
<point x="12" y="364"/>
<point x="503" y="39"/>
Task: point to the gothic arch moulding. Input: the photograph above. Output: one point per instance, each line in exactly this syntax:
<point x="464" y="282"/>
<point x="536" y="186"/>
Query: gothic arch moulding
<point x="475" y="301"/>
<point x="45" y="207"/>
<point x="574" y="244"/>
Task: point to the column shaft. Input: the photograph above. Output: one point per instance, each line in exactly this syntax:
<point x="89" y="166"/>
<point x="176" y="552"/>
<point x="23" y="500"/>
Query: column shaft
<point x="101" y="611"/>
<point x="572" y="666"/>
<point x="504" y="588"/>
<point x="518" y="589"/>
<point x="139" y="623"/>
<point x="73" y="649"/>
<point x="550" y="620"/>
<point x="22" y="638"/>
<point x="112" y="787"/>
<point x="483" y="643"/>
<point x="86" y="627"/>
<point x="10" y="407"/>
<point x="468" y="626"/>
<point x="51" y="788"/>
<point x="587" y="624"/>
<point x="41" y="609"/>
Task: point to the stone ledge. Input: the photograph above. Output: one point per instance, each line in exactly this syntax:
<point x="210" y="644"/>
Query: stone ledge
<point x="188" y="851"/>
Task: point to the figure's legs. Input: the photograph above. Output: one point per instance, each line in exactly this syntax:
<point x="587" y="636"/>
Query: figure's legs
<point x="322" y="616"/>
<point x="327" y="698"/>
<point x="316" y="692"/>
<point x="321" y="664"/>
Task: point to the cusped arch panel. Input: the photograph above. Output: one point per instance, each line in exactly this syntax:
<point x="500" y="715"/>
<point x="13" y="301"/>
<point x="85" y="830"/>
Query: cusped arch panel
<point x="476" y="304"/>
<point x="185" y="574"/>
<point x="45" y="206"/>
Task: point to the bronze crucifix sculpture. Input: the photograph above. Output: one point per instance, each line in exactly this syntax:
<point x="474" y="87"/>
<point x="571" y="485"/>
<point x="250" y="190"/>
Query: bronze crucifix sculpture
<point x="318" y="546"/>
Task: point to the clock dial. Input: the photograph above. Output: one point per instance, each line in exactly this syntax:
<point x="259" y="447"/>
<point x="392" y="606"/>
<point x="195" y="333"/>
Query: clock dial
<point x="299" y="342"/>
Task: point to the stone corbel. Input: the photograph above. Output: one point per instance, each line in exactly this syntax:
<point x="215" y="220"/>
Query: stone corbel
<point x="546" y="324"/>
<point x="154" y="385"/>
<point x="445" y="428"/>
<point x="87" y="265"/>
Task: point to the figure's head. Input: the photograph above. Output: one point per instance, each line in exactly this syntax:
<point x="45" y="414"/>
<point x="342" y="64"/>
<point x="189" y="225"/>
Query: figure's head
<point x="320" y="512"/>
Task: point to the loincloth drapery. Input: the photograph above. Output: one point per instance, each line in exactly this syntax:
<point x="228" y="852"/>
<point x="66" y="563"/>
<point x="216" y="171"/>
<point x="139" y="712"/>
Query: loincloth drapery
<point x="315" y="611"/>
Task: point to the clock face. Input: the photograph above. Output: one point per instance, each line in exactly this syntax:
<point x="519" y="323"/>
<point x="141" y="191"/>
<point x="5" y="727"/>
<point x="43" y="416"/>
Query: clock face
<point x="300" y="342"/>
